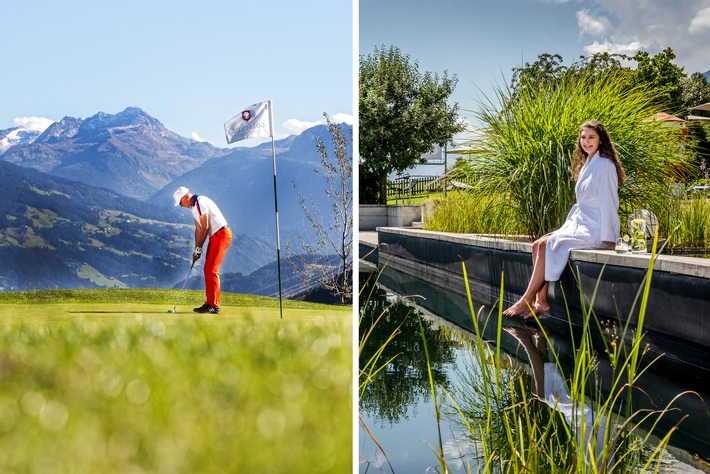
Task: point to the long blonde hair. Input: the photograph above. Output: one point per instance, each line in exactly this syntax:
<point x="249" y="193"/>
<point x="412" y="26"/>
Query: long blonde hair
<point x="606" y="150"/>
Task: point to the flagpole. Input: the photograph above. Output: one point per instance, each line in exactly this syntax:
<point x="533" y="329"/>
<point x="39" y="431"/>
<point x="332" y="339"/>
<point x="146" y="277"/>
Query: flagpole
<point x="241" y="127"/>
<point x="276" y="208"/>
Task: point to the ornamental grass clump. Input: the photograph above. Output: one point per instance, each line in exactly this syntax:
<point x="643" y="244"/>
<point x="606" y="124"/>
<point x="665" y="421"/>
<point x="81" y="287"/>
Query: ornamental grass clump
<point x="687" y="225"/>
<point x="463" y="212"/>
<point x="694" y="219"/>
<point x="528" y="136"/>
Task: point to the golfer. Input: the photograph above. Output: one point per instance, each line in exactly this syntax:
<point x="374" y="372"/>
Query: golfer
<point x="209" y="222"/>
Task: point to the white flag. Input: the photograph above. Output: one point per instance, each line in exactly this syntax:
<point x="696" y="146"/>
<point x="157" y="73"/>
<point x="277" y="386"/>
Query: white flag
<point x="252" y="122"/>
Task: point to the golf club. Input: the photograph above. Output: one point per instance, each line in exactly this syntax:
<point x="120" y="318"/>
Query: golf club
<point x="183" y="287"/>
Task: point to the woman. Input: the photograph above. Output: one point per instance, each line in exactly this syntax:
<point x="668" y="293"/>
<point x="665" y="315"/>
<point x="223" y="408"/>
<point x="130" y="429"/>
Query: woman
<point x="592" y="223"/>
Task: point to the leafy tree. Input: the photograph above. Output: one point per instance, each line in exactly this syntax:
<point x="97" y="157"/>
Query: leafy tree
<point x="653" y="72"/>
<point x="334" y="235"/>
<point x="403" y="113"/>
<point x="658" y="72"/>
<point x="601" y="62"/>
<point x="548" y="69"/>
<point x="696" y="91"/>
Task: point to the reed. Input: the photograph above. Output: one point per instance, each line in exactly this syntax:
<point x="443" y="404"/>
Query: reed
<point x="515" y="428"/>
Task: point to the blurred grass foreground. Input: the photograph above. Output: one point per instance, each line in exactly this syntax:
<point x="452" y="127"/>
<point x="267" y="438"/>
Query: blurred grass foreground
<point x="107" y="381"/>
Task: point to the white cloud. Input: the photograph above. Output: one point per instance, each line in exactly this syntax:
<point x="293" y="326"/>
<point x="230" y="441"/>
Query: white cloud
<point x="700" y="22"/>
<point x="39" y="124"/>
<point x="614" y="48"/>
<point x="682" y="25"/>
<point x="298" y="126"/>
<point x="592" y="25"/>
<point x="295" y="127"/>
<point x="197" y="138"/>
<point x="340" y="118"/>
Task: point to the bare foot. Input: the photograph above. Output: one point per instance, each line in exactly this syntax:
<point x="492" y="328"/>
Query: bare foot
<point x="520" y="307"/>
<point x="540" y="309"/>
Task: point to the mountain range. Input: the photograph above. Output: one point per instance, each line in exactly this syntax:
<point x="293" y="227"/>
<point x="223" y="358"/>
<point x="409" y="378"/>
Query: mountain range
<point x="90" y="201"/>
<point x="130" y="152"/>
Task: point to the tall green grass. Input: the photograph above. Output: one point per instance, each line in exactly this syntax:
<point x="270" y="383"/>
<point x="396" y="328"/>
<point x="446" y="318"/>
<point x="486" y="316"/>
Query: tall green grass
<point x="684" y="222"/>
<point x="527" y="139"/>
<point x="689" y="219"/>
<point x="464" y="212"/>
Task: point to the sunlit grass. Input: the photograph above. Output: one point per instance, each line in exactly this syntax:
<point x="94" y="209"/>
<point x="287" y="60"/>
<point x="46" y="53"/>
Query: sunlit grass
<point x="685" y="223"/>
<point x="464" y="212"/>
<point x="107" y="381"/>
<point x="692" y="220"/>
<point x="528" y="136"/>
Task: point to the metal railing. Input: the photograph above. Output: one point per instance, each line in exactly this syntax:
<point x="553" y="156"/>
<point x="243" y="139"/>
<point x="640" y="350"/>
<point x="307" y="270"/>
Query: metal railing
<point x="409" y="187"/>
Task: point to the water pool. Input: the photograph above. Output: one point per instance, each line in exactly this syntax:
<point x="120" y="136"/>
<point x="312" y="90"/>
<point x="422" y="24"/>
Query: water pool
<point x="397" y="410"/>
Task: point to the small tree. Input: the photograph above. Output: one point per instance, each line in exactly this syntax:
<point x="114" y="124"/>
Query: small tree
<point x="334" y="236"/>
<point x="403" y="114"/>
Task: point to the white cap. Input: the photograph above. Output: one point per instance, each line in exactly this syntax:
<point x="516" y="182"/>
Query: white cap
<point x="179" y="193"/>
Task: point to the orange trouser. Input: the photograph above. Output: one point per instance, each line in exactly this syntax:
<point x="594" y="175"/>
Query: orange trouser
<point x="216" y="249"/>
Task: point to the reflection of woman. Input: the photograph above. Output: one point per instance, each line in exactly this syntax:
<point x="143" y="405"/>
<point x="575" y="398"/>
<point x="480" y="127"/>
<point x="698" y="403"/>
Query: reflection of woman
<point x="548" y="384"/>
<point x="535" y="345"/>
<point x="592" y="223"/>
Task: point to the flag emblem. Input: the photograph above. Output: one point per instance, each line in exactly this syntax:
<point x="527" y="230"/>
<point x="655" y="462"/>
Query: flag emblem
<point x="254" y="121"/>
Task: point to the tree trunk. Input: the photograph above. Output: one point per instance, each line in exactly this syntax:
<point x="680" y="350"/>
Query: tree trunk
<point x="382" y="181"/>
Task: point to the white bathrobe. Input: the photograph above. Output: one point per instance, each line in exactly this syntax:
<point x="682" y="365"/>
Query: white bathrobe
<point x="590" y="222"/>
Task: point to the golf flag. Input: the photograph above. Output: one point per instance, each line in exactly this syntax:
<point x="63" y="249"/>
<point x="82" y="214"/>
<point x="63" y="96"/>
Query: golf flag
<point x="252" y="122"/>
<point x="257" y="121"/>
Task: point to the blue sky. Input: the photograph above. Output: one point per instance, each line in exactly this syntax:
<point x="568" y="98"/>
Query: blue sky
<point x="481" y="41"/>
<point x="192" y="65"/>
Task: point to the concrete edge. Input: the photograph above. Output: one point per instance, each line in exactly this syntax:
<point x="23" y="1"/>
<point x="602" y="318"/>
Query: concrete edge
<point x="696" y="267"/>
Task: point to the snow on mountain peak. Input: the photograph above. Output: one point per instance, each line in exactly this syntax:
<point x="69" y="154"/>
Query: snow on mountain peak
<point x="16" y="136"/>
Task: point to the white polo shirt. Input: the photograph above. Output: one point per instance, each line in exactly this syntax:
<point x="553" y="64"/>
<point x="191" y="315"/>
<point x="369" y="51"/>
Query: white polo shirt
<point x="202" y="205"/>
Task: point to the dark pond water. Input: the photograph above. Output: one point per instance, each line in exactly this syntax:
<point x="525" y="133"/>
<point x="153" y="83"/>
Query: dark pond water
<point x="396" y="408"/>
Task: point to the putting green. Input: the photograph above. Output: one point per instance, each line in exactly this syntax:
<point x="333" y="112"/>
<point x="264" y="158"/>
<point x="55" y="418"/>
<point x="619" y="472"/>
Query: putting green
<point x="139" y="311"/>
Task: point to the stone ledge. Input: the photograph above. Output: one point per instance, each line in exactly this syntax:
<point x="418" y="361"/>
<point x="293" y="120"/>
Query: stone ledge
<point x="697" y="267"/>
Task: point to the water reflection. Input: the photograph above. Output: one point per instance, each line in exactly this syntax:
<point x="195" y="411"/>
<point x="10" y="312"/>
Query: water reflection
<point x="548" y="384"/>
<point x="405" y="380"/>
<point x="398" y="403"/>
